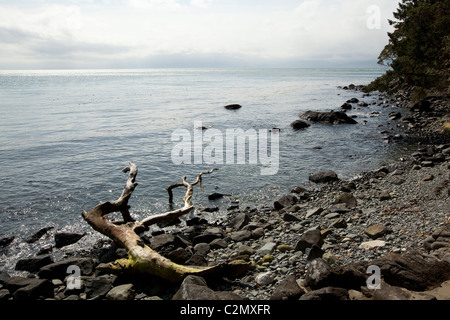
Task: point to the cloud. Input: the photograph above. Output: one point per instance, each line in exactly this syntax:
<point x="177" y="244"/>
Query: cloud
<point x="152" y="33"/>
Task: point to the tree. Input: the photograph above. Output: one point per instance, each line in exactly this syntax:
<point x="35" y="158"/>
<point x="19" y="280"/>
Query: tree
<point x="141" y="258"/>
<point x="418" y="51"/>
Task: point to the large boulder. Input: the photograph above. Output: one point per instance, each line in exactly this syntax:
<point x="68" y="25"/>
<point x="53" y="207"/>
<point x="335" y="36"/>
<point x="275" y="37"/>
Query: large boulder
<point x="331" y="117"/>
<point x="58" y="270"/>
<point x="29" y="288"/>
<point x="414" y="271"/>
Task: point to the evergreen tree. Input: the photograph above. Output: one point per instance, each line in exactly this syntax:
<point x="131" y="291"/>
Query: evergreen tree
<point x="418" y="51"/>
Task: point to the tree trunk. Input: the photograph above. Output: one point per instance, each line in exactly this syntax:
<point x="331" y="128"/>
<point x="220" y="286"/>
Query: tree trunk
<point x="141" y="258"/>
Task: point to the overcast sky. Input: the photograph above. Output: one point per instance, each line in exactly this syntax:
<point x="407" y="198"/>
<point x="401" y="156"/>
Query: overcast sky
<point x="65" y="34"/>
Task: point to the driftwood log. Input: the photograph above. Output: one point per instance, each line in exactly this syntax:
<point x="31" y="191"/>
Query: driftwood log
<point x="141" y="258"/>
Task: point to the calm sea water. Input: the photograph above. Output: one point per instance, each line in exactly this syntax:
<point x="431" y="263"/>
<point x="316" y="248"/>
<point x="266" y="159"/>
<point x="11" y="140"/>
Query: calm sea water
<point x="66" y="135"/>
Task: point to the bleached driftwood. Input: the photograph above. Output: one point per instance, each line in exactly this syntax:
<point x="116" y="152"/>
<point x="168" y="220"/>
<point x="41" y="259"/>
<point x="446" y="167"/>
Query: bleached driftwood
<point x="141" y="258"/>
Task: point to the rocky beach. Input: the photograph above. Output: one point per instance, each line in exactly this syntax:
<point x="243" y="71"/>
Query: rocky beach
<point x="316" y="243"/>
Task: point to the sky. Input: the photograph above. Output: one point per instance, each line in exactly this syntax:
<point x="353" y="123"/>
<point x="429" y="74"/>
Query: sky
<point x="100" y="34"/>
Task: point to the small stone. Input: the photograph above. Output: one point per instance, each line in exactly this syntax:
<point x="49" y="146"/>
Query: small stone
<point x="122" y="292"/>
<point x="268" y="248"/>
<point x="428" y="178"/>
<point x="313" y="212"/>
<point x="264" y="279"/>
<point x="375" y="231"/>
<point x="385" y="195"/>
<point x="329" y="258"/>
<point x="241" y="235"/>
<point x="284" y="248"/>
<point x="339" y="223"/>
<point x="372" y="244"/>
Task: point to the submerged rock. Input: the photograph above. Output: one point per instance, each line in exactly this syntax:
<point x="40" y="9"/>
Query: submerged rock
<point x="233" y="107"/>
<point x="331" y="117"/>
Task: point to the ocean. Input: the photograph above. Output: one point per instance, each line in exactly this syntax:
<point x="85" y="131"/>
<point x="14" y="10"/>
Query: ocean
<point x="66" y="135"/>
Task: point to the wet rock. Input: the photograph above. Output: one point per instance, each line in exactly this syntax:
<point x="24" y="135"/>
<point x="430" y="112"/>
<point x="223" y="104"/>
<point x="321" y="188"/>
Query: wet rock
<point x="300" y="125"/>
<point x="324" y="177"/>
<point x="215" y="196"/>
<point x="33" y="264"/>
<point x="346" y="106"/>
<point x="331" y="117"/>
<point x="6" y="241"/>
<point x="233" y="107"/>
<point x="63" y="239"/>
<point x="36" y="236"/>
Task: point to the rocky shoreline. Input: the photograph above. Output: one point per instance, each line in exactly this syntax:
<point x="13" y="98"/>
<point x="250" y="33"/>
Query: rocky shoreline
<point x="316" y="243"/>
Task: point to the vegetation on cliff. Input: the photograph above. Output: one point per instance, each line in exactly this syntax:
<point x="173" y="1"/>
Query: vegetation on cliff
<point x="418" y="52"/>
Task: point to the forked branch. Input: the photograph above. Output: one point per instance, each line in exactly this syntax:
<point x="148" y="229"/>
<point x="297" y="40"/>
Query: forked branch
<point x="141" y="258"/>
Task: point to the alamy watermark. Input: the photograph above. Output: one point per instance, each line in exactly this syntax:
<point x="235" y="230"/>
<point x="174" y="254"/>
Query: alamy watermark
<point x="373" y="22"/>
<point x="73" y="281"/>
<point x="231" y="146"/>
<point x="374" y="281"/>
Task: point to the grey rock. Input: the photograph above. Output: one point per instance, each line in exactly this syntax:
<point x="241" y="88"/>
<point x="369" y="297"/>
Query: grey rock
<point x="413" y="271"/>
<point x="98" y="287"/>
<point x="241" y="220"/>
<point x="179" y="255"/>
<point x="218" y="244"/>
<point x="36" y="236"/>
<point x="233" y="107"/>
<point x="313" y="212"/>
<point x="300" y="125"/>
<point x="58" y="270"/>
<point x="63" y="239"/>
<point x="241" y="235"/>
<point x="29" y="288"/>
<point x="376" y="231"/>
<point x="285" y="202"/>
<point x="385" y="195"/>
<point x="331" y="117"/>
<point x="308" y="239"/>
<point x="265" y="278"/>
<point x="196" y="288"/>
<point x="287" y="289"/>
<point x="267" y="248"/>
<point x="122" y="292"/>
<point x="33" y="264"/>
<point x="324" y="177"/>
